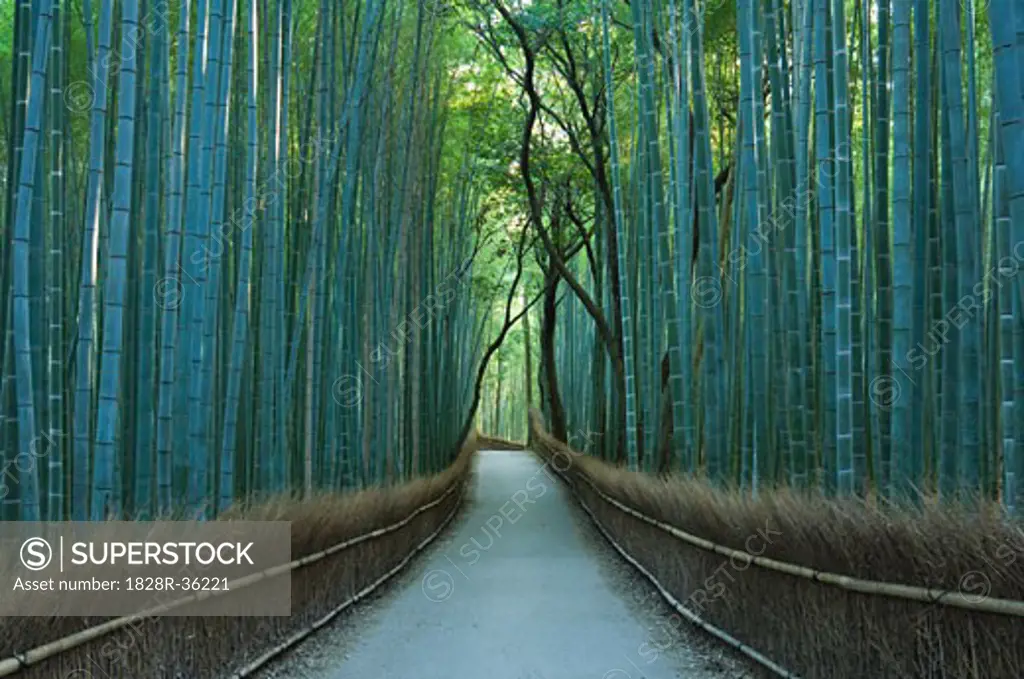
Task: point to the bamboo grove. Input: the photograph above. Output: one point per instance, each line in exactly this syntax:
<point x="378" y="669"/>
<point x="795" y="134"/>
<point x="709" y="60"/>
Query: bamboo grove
<point x="809" y="280"/>
<point x="237" y="254"/>
<point x="249" y="247"/>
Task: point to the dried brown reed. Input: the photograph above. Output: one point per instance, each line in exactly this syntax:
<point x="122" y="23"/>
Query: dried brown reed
<point x="816" y="630"/>
<point x="208" y="647"/>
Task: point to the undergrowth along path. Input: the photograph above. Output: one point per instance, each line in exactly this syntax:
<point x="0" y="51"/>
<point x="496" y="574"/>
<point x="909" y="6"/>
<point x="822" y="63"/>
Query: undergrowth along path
<point x="522" y="590"/>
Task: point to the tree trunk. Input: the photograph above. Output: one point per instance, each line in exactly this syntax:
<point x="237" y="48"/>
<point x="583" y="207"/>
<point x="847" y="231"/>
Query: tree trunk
<point x="497" y="402"/>
<point x="547" y="348"/>
<point x="664" y="461"/>
<point x="529" y="361"/>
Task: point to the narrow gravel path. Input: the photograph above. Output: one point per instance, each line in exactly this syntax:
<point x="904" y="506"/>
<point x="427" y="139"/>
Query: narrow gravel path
<point x="519" y="590"/>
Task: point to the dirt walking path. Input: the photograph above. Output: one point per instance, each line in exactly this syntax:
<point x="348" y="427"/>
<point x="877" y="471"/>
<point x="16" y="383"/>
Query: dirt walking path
<point x="520" y="589"/>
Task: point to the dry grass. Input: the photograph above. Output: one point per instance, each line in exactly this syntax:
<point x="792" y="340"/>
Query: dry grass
<point x="815" y="630"/>
<point x="207" y="647"/>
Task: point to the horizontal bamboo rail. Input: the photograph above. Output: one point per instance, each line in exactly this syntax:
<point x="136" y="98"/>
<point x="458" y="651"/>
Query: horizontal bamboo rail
<point x="672" y="601"/>
<point x="888" y="589"/>
<point x="20" y="661"/>
<point x="302" y="634"/>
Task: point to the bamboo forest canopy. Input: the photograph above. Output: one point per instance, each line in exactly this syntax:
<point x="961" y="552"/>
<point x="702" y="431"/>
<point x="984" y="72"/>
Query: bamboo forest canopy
<point x="300" y="246"/>
<point x="239" y="255"/>
<point x="776" y="239"/>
